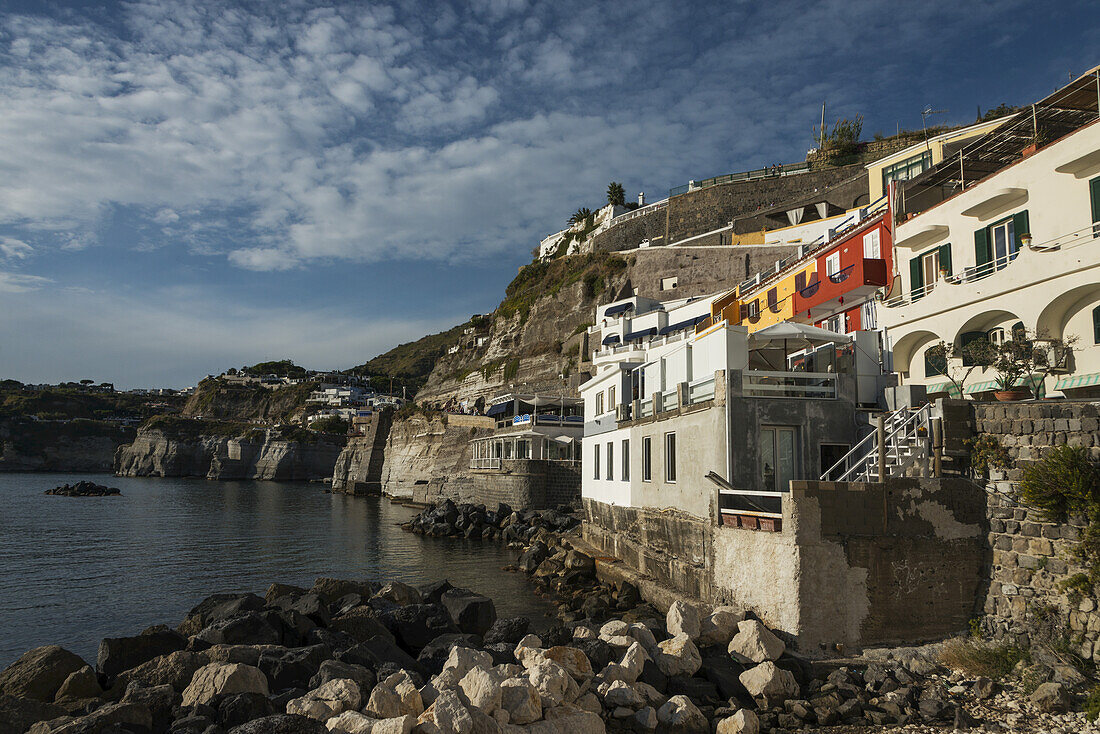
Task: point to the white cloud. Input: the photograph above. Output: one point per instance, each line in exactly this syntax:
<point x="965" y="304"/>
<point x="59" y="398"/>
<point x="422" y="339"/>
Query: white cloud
<point x="20" y="283"/>
<point x="14" y="249"/>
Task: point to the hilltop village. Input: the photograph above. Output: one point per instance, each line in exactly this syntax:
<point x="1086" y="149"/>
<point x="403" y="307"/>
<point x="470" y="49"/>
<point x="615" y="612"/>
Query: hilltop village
<point x="856" y="397"/>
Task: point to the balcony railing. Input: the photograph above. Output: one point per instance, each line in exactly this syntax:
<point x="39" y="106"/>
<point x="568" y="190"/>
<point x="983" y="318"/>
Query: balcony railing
<point x="1082" y="236"/>
<point x="768" y="384"/>
<point x="700" y="390"/>
<point x="842" y="275"/>
<point x="811" y="290"/>
<point x="488" y="462"/>
<point x="645" y="408"/>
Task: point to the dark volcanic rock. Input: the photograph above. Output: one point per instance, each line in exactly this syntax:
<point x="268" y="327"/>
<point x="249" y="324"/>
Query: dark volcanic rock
<point x="361" y="623"/>
<point x="292" y="668"/>
<point x="474" y="614"/>
<point x="38" y="673"/>
<point x="281" y="724"/>
<point x="84" y="489"/>
<point x="217" y="607"/>
<point x="415" y="625"/>
<point x="379" y="651"/>
<point x="117" y="654"/>
<point x="508" y="630"/>
<point x="251" y="628"/>
<point x="18" y="714"/>
<point x="435" y="653"/>
<point x="335" y="669"/>
<point x="241" y="708"/>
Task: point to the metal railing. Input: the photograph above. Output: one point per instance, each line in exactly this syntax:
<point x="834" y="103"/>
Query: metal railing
<point x="640" y="212"/>
<point x="770" y="384"/>
<point x="907" y="433"/>
<point x="790" y="169"/>
<point x="842" y="275"/>
<point x="488" y="462"/>
<point x="1082" y="236"/>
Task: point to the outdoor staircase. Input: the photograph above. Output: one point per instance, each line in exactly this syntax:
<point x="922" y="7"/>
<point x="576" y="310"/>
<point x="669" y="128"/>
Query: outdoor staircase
<point x="907" y="447"/>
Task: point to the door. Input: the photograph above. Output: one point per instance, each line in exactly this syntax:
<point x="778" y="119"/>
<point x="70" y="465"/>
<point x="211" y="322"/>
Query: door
<point x="1003" y="237"/>
<point x="778" y="464"/>
<point x="930" y="264"/>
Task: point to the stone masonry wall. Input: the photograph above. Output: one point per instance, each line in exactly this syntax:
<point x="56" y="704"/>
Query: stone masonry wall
<point x="1030" y="556"/>
<point x="628" y="235"/>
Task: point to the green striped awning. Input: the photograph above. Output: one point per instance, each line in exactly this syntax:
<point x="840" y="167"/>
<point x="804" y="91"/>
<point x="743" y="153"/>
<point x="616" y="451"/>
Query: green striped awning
<point x="1078" y="381"/>
<point x="1025" y="381"/>
<point x="947" y="387"/>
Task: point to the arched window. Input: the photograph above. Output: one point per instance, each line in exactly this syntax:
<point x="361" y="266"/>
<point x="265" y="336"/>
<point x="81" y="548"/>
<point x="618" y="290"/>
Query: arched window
<point x="1096" y="325"/>
<point x="935" y="362"/>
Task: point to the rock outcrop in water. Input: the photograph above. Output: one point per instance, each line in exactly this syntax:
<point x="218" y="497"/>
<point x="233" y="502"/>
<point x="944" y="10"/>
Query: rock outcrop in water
<point x="260" y="454"/>
<point x="84" y="489"/>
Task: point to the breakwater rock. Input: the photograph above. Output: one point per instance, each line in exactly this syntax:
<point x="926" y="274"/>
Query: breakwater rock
<point x="351" y="656"/>
<point x="255" y="453"/>
<point x="477" y="523"/>
<point x="84" y="489"/>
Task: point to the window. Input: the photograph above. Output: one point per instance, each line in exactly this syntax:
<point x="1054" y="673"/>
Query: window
<point x="596" y="461"/>
<point x="777" y="458"/>
<point x="868" y="316"/>
<point x="935" y="363"/>
<point x="996" y="336"/>
<point x="906" y="169"/>
<point x="832" y="264"/>
<point x="750" y="310"/>
<point x="670" y="457"/>
<point x="930" y="267"/>
<point x="610" y="461"/>
<point x="523" y="449"/>
<point x="872" y="245"/>
<point x="1094" y="198"/>
<point x="800" y="281"/>
<point x="599" y="403"/>
<point x="625" y="473"/>
<point x="773" y="298"/>
<point x="996" y="245"/>
<point x="647" y="459"/>
<point x="833" y="323"/>
<point x="611" y="398"/>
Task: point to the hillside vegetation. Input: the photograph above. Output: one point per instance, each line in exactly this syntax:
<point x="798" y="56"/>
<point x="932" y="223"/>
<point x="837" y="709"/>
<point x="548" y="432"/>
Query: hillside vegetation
<point x="214" y="399"/>
<point x="409" y="364"/>
<point x="60" y="403"/>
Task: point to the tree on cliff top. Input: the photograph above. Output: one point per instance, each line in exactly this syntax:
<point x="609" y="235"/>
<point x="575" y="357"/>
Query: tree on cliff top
<point x="581" y="215"/>
<point x="280" y="368"/>
<point x="616" y="195"/>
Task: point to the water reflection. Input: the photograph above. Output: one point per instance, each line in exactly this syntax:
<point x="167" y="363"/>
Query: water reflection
<point x="75" y="570"/>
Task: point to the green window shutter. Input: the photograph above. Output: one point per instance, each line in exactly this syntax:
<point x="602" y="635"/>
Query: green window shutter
<point x="1021" y="225"/>
<point x="916" y="277"/>
<point x="982" y="253"/>
<point x="1094" y="194"/>
<point x="945" y="258"/>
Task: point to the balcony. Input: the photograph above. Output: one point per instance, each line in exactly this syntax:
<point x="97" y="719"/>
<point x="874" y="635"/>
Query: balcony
<point x="854" y="282"/>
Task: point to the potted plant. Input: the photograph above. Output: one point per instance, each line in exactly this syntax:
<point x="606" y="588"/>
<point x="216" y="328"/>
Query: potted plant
<point x="1015" y="359"/>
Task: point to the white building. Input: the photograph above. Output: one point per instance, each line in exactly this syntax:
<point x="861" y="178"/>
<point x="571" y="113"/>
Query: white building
<point x="337" y="397"/>
<point x="1017" y="248"/>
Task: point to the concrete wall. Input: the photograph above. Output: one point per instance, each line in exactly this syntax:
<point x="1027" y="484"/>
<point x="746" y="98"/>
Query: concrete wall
<point x="854" y="564"/>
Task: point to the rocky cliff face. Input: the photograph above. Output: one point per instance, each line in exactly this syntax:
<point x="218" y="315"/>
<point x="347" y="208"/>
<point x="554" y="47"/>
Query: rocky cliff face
<point x="261" y="455"/>
<point x="359" y="466"/>
<point x="427" y="458"/>
<point x="73" y="446"/>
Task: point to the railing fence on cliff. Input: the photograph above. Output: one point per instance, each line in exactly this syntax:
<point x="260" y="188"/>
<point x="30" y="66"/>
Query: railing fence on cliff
<point x="787" y="169"/>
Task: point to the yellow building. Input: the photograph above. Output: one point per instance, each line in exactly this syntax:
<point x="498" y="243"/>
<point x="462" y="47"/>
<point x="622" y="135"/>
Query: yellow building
<point x="916" y="159"/>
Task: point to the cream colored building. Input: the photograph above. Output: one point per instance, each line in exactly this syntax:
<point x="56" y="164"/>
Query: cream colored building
<point x="968" y="270"/>
<point x="912" y="161"/>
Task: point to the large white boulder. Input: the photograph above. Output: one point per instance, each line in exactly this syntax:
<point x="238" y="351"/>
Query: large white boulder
<point x="330" y="699"/>
<point x="482" y="689"/>
<point x="769" y="681"/>
<point x="681" y="716"/>
<point x="755" y="643"/>
<point x="574" y="661"/>
<point x="552" y="681"/>
<point x="521" y="700"/>
<point x="448" y="713"/>
<point x="678" y="656"/>
<point x="220" y="679"/>
<point x="634" y="661"/>
<point x="719" y="627"/>
<point x="742" y="722"/>
<point x="682" y="619"/>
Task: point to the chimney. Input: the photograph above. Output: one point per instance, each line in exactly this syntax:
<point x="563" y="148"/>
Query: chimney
<point x="641" y="199"/>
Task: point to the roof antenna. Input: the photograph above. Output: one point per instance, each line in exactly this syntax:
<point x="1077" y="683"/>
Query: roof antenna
<point x="924" y="115"/>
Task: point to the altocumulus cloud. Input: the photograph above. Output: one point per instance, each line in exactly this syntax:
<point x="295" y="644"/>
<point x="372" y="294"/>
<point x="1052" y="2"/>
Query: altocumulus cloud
<point x="278" y="134"/>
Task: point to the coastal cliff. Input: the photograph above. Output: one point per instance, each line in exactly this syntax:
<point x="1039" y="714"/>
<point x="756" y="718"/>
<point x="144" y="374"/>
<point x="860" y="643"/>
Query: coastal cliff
<point x="257" y="454"/>
<point x="428" y="458"/>
<point x="61" y="446"/>
<point x="359" y="466"/>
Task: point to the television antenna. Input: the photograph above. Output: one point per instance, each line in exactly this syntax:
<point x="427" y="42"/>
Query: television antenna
<point x="924" y="115"/>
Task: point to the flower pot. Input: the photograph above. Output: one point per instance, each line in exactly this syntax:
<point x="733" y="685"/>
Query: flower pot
<point x="1017" y="393"/>
<point x="1029" y="150"/>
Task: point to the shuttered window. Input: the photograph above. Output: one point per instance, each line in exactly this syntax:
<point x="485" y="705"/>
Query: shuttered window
<point x="916" y="278"/>
<point x="945" y="258"/>
<point x="1094" y="196"/>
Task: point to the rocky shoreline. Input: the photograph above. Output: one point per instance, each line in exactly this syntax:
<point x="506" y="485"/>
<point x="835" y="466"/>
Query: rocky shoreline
<point x="351" y="656"/>
<point x="84" y="489"/>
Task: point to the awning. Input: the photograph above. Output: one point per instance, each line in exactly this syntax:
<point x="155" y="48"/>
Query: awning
<point x="618" y="309"/>
<point x="611" y="339"/>
<point x="1025" y="381"/>
<point x="792" y="331"/>
<point x="632" y="336"/>
<point x="1078" y="381"/>
<point x="947" y="387"/>
<point x="686" y="324"/>
<point x="498" y="409"/>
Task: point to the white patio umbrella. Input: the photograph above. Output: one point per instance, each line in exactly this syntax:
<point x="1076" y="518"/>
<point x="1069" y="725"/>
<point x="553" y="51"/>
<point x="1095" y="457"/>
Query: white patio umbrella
<point x="791" y="332"/>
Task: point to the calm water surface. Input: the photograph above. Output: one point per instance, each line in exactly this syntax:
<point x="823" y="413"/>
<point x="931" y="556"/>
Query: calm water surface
<point x="74" y="570"/>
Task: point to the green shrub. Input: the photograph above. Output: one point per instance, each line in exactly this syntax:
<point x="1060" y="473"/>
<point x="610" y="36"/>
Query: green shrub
<point x="1092" y="703"/>
<point x="332" y="424"/>
<point x="986" y="452"/>
<point x="1063" y="483"/>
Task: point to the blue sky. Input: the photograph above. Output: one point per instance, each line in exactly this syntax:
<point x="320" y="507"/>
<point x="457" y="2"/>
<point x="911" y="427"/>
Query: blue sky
<point x="186" y="187"/>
